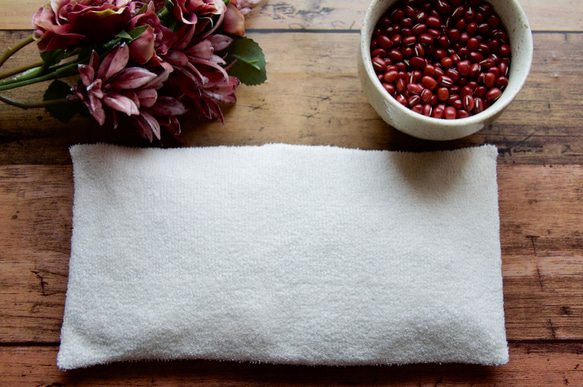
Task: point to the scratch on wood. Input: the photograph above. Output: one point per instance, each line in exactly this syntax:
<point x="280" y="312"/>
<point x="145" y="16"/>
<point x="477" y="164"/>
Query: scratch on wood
<point x="533" y="238"/>
<point x="43" y="283"/>
<point x="539" y="277"/>
<point x="519" y="143"/>
<point x="566" y="148"/>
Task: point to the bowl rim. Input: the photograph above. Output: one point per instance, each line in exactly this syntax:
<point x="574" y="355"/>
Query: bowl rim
<point x="495" y="109"/>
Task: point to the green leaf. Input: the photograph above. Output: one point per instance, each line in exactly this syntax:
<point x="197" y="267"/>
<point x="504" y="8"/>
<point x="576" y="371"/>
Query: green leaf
<point x="123" y="35"/>
<point x="52" y="57"/>
<point x="138" y="31"/>
<point x="250" y="62"/>
<point x="63" y="112"/>
<point x="133" y="34"/>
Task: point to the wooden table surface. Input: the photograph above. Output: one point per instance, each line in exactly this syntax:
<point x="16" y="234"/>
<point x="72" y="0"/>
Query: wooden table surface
<point x="314" y="97"/>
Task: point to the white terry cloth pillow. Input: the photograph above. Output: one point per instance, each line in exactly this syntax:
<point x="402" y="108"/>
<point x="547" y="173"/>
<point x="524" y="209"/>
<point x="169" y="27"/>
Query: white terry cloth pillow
<point x="288" y="254"/>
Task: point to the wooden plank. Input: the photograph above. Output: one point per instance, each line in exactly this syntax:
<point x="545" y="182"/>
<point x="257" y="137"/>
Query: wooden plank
<point x="315" y="96"/>
<point x="324" y="14"/>
<point x="530" y="365"/>
<point x="542" y="245"/>
<point x="17" y="15"/>
<point x="541" y="237"/>
<point x="35" y="231"/>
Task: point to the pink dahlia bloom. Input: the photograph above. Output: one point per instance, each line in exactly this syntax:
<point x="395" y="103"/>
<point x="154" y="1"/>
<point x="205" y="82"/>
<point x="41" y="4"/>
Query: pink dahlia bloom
<point x="68" y="23"/>
<point x="198" y="77"/>
<point x="111" y="86"/>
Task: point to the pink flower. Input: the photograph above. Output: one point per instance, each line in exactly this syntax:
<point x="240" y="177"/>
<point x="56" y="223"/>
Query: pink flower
<point x="216" y="89"/>
<point x="163" y="113"/>
<point x="189" y="11"/>
<point x="69" y="23"/>
<point x="198" y="76"/>
<point x="131" y="90"/>
<point x="114" y="86"/>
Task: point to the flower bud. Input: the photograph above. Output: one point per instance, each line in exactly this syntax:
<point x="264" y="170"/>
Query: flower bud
<point x="142" y="49"/>
<point x="234" y="21"/>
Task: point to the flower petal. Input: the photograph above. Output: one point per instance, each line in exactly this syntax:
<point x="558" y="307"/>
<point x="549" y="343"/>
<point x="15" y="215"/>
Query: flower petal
<point x="168" y="106"/>
<point x="176" y="58"/>
<point x="94" y="60"/>
<point x="95" y="89"/>
<point x="218" y="60"/>
<point x="234" y="21"/>
<point x="143" y="128"/>
<point x="142" y="49"/>
<point x="114" y="62"/>
<point x="50" y="41"/>
<point x="121" y="104"/>
<point x="183" y="36"/>
<point x="209" y="63"/>
<point x="99" y="115"/>
<point x="153" y="123"/>
<point x="202" y="50"/>
<point x="220" y="42"/>
<point x="158" y="82"/>
<point x="86" y="73"/>
<point x="147" y="97"/>
<point x="132" y="78"/>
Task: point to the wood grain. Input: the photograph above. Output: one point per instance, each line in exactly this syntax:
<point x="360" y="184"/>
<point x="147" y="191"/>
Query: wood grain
<point x="537" y="364"/>
<point x="541" y="238"/>
<point x="313" y="96"/>
<point x="326" y="14"/>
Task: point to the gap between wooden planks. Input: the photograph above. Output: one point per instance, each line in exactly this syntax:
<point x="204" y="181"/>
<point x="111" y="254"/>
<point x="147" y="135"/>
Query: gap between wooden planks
<point x="541" y="238"/>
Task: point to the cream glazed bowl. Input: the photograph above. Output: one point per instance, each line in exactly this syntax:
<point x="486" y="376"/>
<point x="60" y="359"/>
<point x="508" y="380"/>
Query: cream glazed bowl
<point x="417" y="125"/>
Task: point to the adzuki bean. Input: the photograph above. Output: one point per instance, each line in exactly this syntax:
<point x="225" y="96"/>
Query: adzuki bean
<point x="444" y="59"/>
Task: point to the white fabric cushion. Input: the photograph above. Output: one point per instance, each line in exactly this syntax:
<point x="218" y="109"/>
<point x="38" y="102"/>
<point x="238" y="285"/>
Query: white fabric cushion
<point x="284" y="254"/>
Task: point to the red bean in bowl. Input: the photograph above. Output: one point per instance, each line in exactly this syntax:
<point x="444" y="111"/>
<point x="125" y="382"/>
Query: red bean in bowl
<point x="443" y="59"/>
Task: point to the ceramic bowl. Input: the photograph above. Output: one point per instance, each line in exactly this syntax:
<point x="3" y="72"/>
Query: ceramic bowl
<point x="417" y="125"/>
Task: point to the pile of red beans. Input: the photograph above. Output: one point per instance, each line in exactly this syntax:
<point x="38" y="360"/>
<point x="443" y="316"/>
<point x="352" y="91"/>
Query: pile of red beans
<point x="442" y="58"/>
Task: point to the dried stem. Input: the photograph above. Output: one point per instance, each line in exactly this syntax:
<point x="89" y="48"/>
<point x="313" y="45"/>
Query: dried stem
<point x="32" y="105"/>
<point x="59" y="72"/>
<point x="12" y="50"/>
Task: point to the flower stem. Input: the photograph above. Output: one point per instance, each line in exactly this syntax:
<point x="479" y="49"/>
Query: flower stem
<point x="12" y="50"/>
<point x="61" y="72"/>
<point x="31" y="105"/>
<point x="19" y="70"/>
<point x="163" y="13"/>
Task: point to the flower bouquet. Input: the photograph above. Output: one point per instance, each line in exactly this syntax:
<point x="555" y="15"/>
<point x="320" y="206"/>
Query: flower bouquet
<point x="145" y="61"/>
